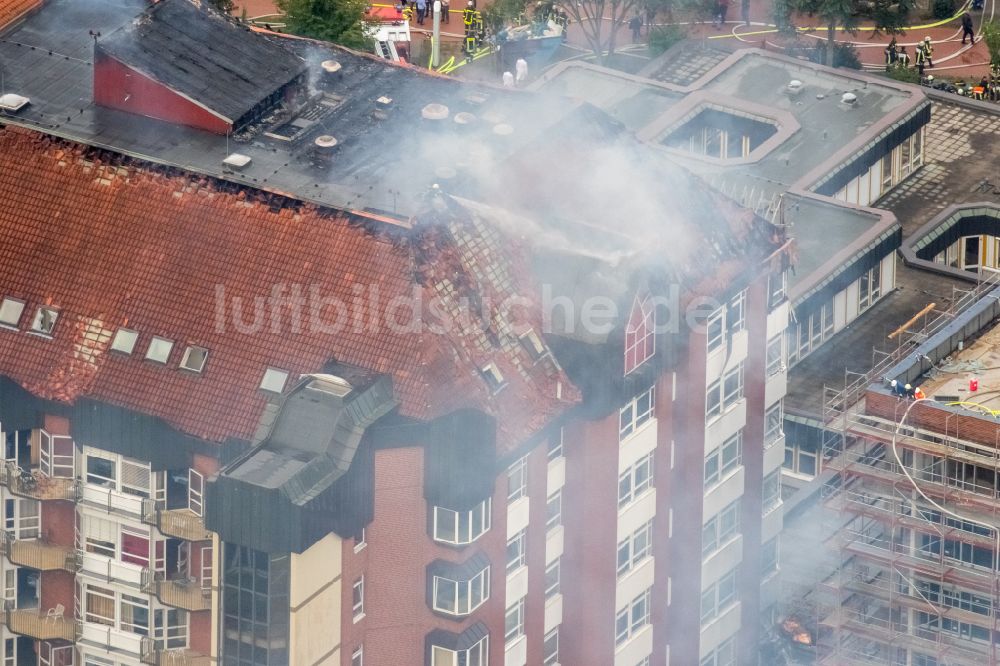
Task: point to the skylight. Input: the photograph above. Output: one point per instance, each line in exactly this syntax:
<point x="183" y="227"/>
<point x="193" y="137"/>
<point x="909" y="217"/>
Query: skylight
<point x="274" y="380"/>
<point x="45" y="320"/>
<point x="194" y="358"/>
<point x="124" y="341"/>
<point x="10" y="311"/>
<point x="159" y="349"/>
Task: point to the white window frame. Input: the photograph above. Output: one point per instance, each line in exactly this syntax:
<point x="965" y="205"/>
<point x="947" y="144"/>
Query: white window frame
<point x="39" y="319"/>
<point x="723" y="655"/>
<point x="124" y="340"/>
<point x="358" y="656"/>
<point x="358" y="599"/>
<point x="553" y="578"/>
<point x="636" y="413"/>
<point x="870" y="294"/>
<point x="771" y="499"/>
<point x="550" y="648"/>
<point x="11" y="312"/>
<point x="736" y="312"/>
<point x="514" y="622"/>
<point x="633" y="617"/>
<point x="159" y="349"/>
<point x="636" y="480"/>
<point x="274" y="380"/>
<point x="775" y="355"/>
<point x="464" y="533"/>
<point x="518" y="541"/>
<point x="635" y="548"/>
<point x="723" y="460"/>
<point x="555" y="445"/>
<point x="774" y="421"/>
<point x="720" y="530"/>
<point x="472" y="601"/>
<point x="770" y="565"/>
<point x="723" y="393"/>
<point x="553" y="511"/>
<point x="719" y="597"/>
<point x="517" y="479"/>
<point x="186" y="360"/>
<point x="715" y="329"/>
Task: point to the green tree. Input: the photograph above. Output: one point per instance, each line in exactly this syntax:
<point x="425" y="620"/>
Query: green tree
<point x="991" y="35"/>
<point x="887" y="16"/>
<point x="224" y="6"/>
<point x="338" y="21"/>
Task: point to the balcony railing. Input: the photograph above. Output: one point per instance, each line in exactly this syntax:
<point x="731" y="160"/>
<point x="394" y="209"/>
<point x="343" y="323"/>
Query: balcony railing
<point x="183" y="593"/>
<point x="156" y="656"/>
<point x="180" y="523"/>
<point x="40" y="626"/>
<point x="37" y="554"/>
<point x="35" y="485"/>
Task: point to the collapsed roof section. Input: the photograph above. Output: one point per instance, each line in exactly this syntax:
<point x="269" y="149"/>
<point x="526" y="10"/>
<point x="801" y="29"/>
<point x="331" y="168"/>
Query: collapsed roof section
<point x="207" y="58"/>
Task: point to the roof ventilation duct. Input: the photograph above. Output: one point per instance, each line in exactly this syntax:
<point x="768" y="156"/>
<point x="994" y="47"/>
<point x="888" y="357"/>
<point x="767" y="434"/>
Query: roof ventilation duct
<point x="850" y="99"/>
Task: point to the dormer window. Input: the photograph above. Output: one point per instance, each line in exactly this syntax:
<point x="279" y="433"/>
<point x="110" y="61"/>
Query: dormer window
<point x="533" y="344"/>
<point x="194" y="358"/>
<point x="124" y="341"/>
<point x="45" y="320"/>
<point x="640" y="341"/>
<point x="10" y="312"/>
<point x="159" y="349"/>
<point x="491" y="373"/>
<point x="274" y="380"/>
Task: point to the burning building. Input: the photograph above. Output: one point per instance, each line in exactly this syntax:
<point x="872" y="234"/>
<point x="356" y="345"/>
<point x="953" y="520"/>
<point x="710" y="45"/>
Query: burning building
<point x="574" y="460"/>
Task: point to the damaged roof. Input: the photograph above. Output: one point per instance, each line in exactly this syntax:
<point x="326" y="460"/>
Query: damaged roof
<point x="111" y="242"/>
<point x="204" y="55"/>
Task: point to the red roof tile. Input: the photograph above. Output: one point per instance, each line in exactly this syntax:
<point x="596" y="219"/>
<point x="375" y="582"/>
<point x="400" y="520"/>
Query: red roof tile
<point x="11" y="10"/>
<point x="111" y="242"/>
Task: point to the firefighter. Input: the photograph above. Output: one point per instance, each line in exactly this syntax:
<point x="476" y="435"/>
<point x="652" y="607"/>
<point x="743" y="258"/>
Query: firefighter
<point x="979" y="91"/>
<point x="467" y="15"/>
<point x="890" y="55"/>
<point x="928" y="51"/>
<point x="924" y="53"/>
<point x="903" y="58"/>
<point x="477" y="25"/>
<point x="407" y="13"/>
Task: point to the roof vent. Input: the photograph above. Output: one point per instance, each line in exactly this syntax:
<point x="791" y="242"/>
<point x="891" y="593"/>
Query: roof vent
<point x="794" y="87"/>
<point x="435" y="112"/>
<point x="849" y="99"/>
<point x="464" y="118"/>
<point x="330" y="66"/>
<point x="325" y="141"/>
<point x="12" y="102"/>
<point x="503" y="129"/>
<point x="323" y="148"/>
<point x="237" y="162"/>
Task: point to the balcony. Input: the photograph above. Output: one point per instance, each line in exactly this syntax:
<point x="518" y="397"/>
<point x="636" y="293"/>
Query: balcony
<point x="155" y="656"/>
<point x="179" y="523"/>
<point x="184" y="593"/>
<point x="39" y="626"/>
<point x="32" y="484"/>
<point x="38" y="554"/>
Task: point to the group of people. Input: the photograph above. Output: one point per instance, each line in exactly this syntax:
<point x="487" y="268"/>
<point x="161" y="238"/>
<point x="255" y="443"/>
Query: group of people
<point x="424" y="8"/>
<point x="897" y="57"/>
<point x="906" y="390"/>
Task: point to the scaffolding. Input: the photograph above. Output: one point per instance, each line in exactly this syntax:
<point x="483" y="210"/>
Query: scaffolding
<point x="917" y="527"/>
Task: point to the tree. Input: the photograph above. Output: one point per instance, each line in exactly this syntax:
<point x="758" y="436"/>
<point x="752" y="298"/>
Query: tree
<point x="887" y="16"/>
<point x="991" y="35"/>
<point x="224" y="6"/>
<point x="591" y="15"/>
<point x="338" y="21"/>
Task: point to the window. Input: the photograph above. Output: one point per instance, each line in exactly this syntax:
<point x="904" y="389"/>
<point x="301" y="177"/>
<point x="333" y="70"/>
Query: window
<point x="869" y="288"/>
<point x="462" y="527"/>
<point x="550" y="648"/>
<point x="10" y="312"/>
<point x="553" y="511"/>
<point x="124" y="341"/>
<point x="194" y="358"/>
<point x="358" y="599"/>
<point x="358" y="656"/>
<point x="801" y="458"/>
<point x="737" y="306"/>
<point x="769" y="557"/>
<point x="45" y="320"/>
<point x="552" y="581"/>
<point x="775" y="355"/>
<point x="773" y="419"/>
<point x="715" y="332"/>
<point x="514" y="621"/>
<point x="159" y="349"/>
<point x="101" y="471"/>
<point x="720" y="529"/>
<point x="517" y="480"/>
<point x="463" y="596"/>
<point x="631" y="619"/>
<point x="274" y="380"/>
<point x="477" y="655"/>
<point x="134" y="614"/>
<point x="359" y="540"/>
<point x="135" y="546"/>
<point x="771" y="491"/>
<point x="516" y="551"/>
<point x="640" y="341"/>
<point x="135" y="478"/>
<point x="99" y="605"/>
<point x="723" y="460"/>
<point x="635" y="413"/>
<point x="776" y="289"/>
<point x="724" y="655"/>
<point x="635" y="548"/>
<point x="555" y="446"/>
<point x="99" y="535"/>
<point x="636" y="480"/>
<point x="723" y="394"/>
<point x="718" y="597"/>
<point x="810" y="332"/>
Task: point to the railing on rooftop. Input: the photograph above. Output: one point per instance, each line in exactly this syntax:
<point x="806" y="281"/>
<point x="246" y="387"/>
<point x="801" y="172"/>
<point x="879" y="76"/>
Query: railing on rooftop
<point x="32" y="484"/>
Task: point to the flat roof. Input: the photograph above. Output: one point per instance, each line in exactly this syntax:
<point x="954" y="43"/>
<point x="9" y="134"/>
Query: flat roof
<point x="980" y="360"/>
<point x="383" y="163"/>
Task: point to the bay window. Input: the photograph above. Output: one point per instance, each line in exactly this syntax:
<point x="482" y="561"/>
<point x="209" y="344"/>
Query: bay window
<point x="462" y="527"/>
<point x="461" y="597"/>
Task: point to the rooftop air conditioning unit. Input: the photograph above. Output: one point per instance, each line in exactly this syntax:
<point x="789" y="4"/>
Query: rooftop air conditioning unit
<point x="794" y="87"/>
<point x="850" y="99"/>
<point x="13" y="103"/>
